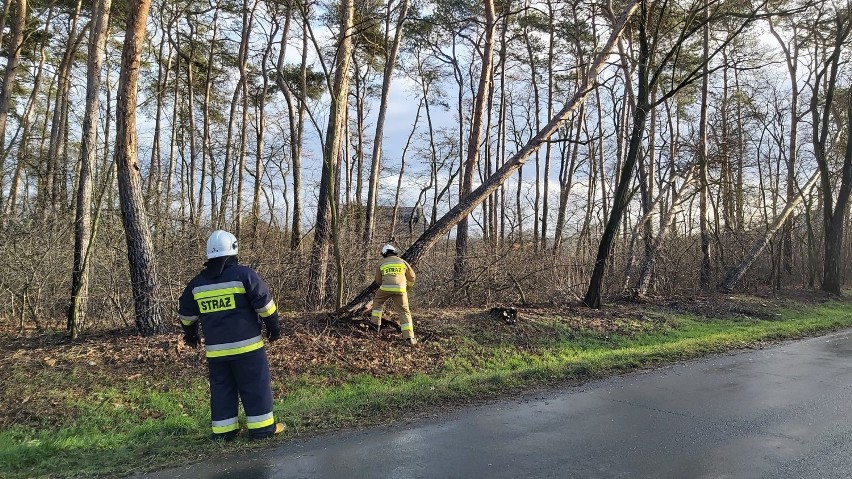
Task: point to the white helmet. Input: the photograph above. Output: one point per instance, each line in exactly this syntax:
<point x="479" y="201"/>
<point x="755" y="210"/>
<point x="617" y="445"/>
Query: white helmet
<point x="388" y="249"/>
<point x="221" y="243"/>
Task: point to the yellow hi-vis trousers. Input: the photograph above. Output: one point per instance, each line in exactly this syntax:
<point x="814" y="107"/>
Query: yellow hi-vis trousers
<point x="400" y="302"/>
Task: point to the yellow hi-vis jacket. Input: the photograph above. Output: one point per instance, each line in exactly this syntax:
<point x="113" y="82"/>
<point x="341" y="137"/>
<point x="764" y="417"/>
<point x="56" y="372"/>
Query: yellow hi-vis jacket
<point x="394" y="275"/>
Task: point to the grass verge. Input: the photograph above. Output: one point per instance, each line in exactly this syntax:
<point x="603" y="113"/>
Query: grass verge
<point x="86" y="425"/>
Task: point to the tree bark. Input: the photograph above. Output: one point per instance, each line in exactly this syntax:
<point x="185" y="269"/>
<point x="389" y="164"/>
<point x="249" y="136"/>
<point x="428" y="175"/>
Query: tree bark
<point x="140" y="249"/>
<point x="317" y="269"/>
<point x="593" y="294"/>
<point x="83" y="232"/>
<point x="833" y="212"/>
<point x="16" y="39"/>
<point x="375" y="159"/>
<point x="475" y="135"/>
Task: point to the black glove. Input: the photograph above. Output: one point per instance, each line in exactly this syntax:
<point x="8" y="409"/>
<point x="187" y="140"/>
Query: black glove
<point x="190" y="334"/>
<point x="191" y="340"/>
<point x="273" y="327"/>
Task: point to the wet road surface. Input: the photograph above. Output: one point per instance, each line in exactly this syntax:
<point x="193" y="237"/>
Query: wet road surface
<point x="781" y="412"/>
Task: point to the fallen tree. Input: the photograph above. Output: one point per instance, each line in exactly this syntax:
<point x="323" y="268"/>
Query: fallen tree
<point x="734" y="274"/>
<point x="467" y="204"/>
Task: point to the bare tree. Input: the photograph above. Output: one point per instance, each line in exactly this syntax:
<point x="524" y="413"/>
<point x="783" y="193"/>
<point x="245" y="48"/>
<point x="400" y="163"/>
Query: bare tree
<point x="834" y="210"/>
<point x="648" y="74"/>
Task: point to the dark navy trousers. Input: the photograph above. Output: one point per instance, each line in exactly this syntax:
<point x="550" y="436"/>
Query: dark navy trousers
<point x="243" y="377"/>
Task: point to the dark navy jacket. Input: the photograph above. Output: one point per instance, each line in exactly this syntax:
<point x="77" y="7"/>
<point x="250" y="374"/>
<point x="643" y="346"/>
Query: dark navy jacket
<point x="229" y="307"/>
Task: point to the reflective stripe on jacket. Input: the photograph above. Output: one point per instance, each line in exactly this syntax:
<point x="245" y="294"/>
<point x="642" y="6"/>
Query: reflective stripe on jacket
<point x="229" y="308"/>
<point x="394" y="275"/>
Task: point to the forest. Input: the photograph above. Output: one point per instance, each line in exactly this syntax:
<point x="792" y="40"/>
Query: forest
<point x="519" y="152"/>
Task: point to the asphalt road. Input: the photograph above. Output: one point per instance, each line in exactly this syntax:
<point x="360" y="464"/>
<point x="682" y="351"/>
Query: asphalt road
<point x="780" y="412"/>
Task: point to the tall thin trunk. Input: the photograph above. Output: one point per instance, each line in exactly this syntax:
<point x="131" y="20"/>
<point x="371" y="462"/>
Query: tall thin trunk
<point x="218" y="199"/>
<point x="297" y="132"/>
<point x="706" y="266"/>
<point x="323" y="231"/>
<point x="248" y="21"/>
<point x="155" y="180"/>
<point x="485" y="76"/>
<point x="56" y="146"/>
<point x="551" y="51"/>
<point x="376" y="157"/>
<point x="84" y="234"/>
<point x="16" y="39"/>
<point x="140" y="249"/>
<point x="194" y="215"/>
<point x="261" y="133"/>
<point x="173" y="140"/>
<point x="501" y="129"/>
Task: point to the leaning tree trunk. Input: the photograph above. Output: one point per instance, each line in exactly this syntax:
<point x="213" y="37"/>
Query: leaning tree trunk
<point x="467" y="204"/>
<point x="593" y="294"/>
<point x="140" y="249"/>
<point x="734" y="274"/>
<point x="248" y="20"/>
<point x="83" y="232"/>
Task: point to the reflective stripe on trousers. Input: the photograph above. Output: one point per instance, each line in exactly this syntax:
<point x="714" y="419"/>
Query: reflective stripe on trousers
<point x="243" y="378"/>
<point x="400" y="302"/>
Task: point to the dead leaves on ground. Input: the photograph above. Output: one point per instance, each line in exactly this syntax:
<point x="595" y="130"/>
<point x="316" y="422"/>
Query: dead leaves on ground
<point x="45" y="372"/>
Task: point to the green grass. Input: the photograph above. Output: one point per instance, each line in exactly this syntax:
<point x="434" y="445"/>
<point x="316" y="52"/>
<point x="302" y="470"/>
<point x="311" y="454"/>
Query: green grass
<point x="114" y="430"/>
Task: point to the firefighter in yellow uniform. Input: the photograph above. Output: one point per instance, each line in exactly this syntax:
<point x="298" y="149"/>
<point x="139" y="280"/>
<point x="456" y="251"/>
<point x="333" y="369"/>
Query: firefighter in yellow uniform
<point x="394" y="276"/>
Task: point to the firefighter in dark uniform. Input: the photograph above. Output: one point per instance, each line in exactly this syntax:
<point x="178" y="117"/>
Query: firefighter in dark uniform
<point x="232" y="303"/>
